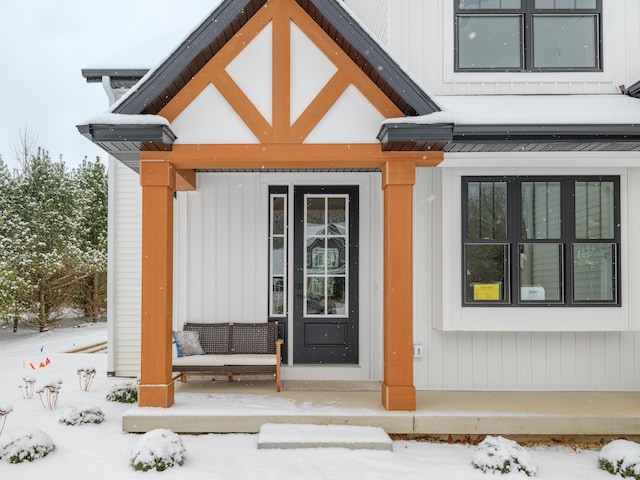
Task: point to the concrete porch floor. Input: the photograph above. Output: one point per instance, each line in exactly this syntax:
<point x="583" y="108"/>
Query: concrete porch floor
<point x="244" y="406"/>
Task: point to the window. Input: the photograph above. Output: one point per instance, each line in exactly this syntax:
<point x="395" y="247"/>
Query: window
<point x="540" y="241"/>
<point x="278" y="254"/>
<point x="528" y="35"/>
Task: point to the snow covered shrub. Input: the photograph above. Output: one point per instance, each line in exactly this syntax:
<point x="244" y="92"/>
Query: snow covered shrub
<point x="79" y="416"/>
<point x="25" y="446"/>
<point x="497" y="454"/>
<point x="4" y="411"/>
<point x="159" y="449"/>
<point x="49" y="394"/>
<point x="28" y="388"/>
<point x="85" y="377"/>
<point x="124" y="392"/>
<point x="621" y="457"/>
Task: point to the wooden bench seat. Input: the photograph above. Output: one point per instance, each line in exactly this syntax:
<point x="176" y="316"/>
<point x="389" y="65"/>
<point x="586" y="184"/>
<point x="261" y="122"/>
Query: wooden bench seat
<point x="233" y="349"/>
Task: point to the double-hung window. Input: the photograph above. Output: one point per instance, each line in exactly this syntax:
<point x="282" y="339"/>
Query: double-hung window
<point x="528" y="35"/>
<point x="551" y="241"/>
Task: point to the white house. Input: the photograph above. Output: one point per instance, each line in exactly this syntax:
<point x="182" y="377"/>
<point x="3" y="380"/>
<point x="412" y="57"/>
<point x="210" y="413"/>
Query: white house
<point x="436" y="195"/>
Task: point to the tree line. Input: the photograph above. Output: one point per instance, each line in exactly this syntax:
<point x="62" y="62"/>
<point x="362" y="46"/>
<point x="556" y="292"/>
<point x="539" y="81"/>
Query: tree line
<point x="53" y="240"/>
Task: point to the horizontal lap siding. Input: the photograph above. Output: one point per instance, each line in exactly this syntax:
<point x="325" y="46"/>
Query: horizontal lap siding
<point x="127" y="240"/>
<point x="504" y="360"/>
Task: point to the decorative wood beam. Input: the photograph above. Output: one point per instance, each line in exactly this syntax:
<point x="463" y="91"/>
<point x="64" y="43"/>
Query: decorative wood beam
<point x="263" y="156"/>
<point x="281" y="95"/>
<point x="185" y="180"/>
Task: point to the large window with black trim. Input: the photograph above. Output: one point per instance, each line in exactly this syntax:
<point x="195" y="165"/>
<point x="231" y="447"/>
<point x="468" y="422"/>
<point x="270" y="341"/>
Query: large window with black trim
<point x="552" y="241"/>
<point x="528" y="35"/>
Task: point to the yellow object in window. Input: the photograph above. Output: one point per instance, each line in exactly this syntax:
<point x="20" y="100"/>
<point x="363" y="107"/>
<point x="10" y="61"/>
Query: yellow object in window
<point x="486" y="291"/>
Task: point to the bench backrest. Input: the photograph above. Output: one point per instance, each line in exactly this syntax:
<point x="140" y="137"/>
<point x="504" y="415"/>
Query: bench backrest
<point x="241" y="338"/>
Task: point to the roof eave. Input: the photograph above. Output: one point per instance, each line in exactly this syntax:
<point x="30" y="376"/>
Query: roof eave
<point x="534" y="137"/>
<point x="125" y="141"/>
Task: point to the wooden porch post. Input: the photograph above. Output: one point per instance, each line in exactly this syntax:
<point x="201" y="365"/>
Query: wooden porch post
<point x="158" y="181"/>
<point x="398" y="391"/>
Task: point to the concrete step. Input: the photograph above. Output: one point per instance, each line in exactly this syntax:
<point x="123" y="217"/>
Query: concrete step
<point x="290" y="436"/>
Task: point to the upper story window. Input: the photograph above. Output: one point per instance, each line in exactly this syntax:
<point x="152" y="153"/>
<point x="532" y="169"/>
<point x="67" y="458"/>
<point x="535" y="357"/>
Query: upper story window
<point x="541" y="241"/>
<point x="528" y="35"/>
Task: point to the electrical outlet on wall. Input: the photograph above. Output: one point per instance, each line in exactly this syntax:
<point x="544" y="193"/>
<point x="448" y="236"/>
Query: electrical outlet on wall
<point x="417" y="351"/>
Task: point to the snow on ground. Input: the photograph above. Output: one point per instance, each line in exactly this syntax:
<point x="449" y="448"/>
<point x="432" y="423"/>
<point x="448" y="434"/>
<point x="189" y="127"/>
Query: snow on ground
<point x="102" y="452"/>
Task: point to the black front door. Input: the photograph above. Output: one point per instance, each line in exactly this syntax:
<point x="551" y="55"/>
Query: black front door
<point x="325" y="306"/>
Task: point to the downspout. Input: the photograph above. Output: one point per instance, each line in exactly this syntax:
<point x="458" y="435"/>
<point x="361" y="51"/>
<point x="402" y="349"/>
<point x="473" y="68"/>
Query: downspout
<point x="111" y="253"/>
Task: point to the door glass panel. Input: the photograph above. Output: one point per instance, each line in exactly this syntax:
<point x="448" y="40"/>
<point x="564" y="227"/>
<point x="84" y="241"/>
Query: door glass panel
<point x="595" y="210"/>
<point x="490" y="41"/>
<point x="486" y="266"/>
<point x="278" y="214"/>
<point x="277" y="296"/>
<point x="593" y="272"/>
<point x="316" y="295"/>
<point x="326" y="241"/>
<point x="316" y="216"/>
<point x="567" y="41"/>
<point x="541" y="272"/>
<point x="487" y="210"/>
<point x="336" y="295"/>
<point x="540" y="210"/>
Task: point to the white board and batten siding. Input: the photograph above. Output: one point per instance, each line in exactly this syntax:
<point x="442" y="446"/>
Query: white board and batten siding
<point x="421" y="37"/>
<point x="374" y="15"/>
<point x="221" y="261"/>
<point x="517" y="358"/>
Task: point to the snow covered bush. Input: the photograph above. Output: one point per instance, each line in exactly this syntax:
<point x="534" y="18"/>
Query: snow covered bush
<point x="4" y="411"/>
<point x="497" y="454"/>
<point x="158" y="449"/>
<point x="25" y="446"/>
<point x="124" y="392"/>
<point x="621" y="457"/>
<point x="80" y="416"/>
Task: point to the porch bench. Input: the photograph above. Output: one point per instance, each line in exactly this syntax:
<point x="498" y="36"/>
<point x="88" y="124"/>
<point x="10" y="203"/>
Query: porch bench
<point x="232" y="349"/>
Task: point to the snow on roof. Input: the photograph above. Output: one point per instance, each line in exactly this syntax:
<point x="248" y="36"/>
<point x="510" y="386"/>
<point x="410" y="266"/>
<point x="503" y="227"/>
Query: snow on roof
<point x="121" y="119"/>
<point x="531" y="109"/>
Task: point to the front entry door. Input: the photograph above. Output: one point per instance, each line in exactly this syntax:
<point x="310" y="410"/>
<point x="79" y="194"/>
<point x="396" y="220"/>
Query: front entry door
<point x="325" y="307"/>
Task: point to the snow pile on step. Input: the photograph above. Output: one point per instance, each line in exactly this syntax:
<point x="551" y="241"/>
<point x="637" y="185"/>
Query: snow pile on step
<point x="288" y="436"/>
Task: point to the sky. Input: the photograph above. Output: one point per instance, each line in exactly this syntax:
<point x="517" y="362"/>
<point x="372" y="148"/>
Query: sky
<point x="44" y="45"/>
<point x="103" y="452"/>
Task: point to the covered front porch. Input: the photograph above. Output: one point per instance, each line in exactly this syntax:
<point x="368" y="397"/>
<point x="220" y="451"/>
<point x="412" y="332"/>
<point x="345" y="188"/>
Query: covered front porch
<point x="242" y="407"/>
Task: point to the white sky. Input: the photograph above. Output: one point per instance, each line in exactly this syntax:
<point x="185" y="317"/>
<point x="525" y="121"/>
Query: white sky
<point x="44" y="45"/>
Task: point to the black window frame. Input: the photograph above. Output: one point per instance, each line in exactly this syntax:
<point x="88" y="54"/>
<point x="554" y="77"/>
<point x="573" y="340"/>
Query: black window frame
<point x="527" y="13"/>
<point x="567" y="239"/>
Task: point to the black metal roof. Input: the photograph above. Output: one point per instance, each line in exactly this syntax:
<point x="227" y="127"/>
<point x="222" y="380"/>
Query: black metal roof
<point x="119" y="77"/>
<point x="509" y="138"/>
<point x="165" y="81"/>
<point x="206" y="40"/>
<point x="125" y="141"/>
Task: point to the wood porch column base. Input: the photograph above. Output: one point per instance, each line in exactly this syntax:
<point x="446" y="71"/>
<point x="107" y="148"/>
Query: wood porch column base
<point x="399" y="398"/>
<point x="156" y="395"/>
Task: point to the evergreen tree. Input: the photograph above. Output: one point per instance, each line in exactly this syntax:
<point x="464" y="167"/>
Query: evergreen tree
<point x="40" y="236"/>
<point x="90" y="179"/>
